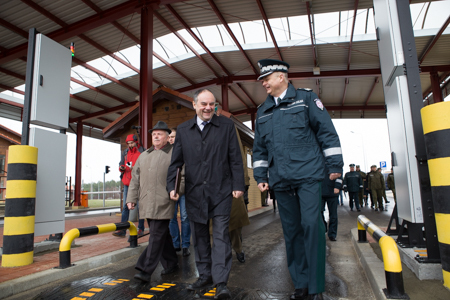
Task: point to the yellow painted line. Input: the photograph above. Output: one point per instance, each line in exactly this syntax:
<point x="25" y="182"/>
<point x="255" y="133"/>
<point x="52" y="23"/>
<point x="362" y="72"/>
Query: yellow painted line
<point x="209" y="294"/>
<point x="19" y="225"/>
<point x="437" y="168"/>
<point x="86" y="294"/>
<point x="157" y="289"/>
<point x="123" y="279"/>
<point x="106" y="228"/>
<point x="423" y="254"/>
<point x="109" y="283"/>
<point x="163" y="286"/>
<point x="95" y="290"/>
<point x="442" y="226"/>
<point x="117" y="281"/>
<point x="212" y="291"/>
<point x="420" y="251"/>
<point x="446" y="276"/>
<point x="145" y="296"/>
<point x="17" y="260"/>
<point x="171" y="284"/>
<point x="435" y="117"/>
<point x="78" y="298"/>
<point x="22" y="154"/>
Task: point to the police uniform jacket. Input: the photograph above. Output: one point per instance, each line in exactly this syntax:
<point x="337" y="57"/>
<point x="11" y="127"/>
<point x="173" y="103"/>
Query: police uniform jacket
<point x="294" y="141"/>
<point x="363" y="175"/>
<point x="328" y="186"/>
<point x="353" y="182"/>
<point x="391" y="182"/>
<point x="213" y="167"/>
<point x="376" y="181"/>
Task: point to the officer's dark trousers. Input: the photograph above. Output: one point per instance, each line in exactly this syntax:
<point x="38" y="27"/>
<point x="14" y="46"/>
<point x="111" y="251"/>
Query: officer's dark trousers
<point x="304" y="235"/>
<point x="353" y="197"/>
<point x="160" y="248"/>
<point x="332" y="203"/>
<point x="215" y="262"/>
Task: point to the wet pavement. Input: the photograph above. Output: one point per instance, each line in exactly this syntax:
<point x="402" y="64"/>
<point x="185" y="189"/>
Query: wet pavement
<point x="264" y="275"/>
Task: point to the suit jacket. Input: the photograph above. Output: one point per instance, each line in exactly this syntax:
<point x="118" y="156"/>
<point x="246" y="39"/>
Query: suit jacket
<point x="213" y="167"/>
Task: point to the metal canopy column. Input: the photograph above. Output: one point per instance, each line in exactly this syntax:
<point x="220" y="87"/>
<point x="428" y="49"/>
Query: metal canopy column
<point x="77" y="193"/>
<point x="146" y="75"/>
<point x="225" y="106"/>
<point x="435" y="87"/>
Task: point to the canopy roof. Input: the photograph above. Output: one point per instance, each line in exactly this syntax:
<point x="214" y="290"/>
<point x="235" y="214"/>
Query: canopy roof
<point x="206" y="43"/>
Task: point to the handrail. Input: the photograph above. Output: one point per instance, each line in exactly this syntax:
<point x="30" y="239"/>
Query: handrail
<point x="66" y="241"/>
<point x="391" y="257"/>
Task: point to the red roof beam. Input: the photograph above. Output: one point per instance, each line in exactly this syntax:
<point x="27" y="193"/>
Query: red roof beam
<point x="239" y="98"/>
<point x="351" y="36"/>
<point x="14" y="28"/>
<point x="371" y="90"/>
<point x="269" y="28"/>
<point x="308" y="10"/>
<point x="103" y="112"/>
<point x="345" y="91"/>
<point x="12" y="103"/>
<point x="230" y="32"/>
<point x="433" y="41"/>
<point x="98" y="90"/>
<point x="246" y="94"/>
<point x="196" y="38"/>
<point x="170" y="27"/>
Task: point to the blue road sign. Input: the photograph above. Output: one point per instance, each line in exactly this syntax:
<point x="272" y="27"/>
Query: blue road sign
<point x="383" y="164"/>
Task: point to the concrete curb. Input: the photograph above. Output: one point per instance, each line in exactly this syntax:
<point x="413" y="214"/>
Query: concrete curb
<point x="22" y="284"/>
<point x="372" y="265"/>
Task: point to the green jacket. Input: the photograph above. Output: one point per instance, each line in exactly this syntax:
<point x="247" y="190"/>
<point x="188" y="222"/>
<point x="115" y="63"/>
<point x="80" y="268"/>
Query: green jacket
<point x="376" y="181"/>
<point x="391" y="182"/>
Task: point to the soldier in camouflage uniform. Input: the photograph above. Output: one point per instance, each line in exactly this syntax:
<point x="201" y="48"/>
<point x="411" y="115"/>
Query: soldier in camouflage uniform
<point x="376" y="185"/>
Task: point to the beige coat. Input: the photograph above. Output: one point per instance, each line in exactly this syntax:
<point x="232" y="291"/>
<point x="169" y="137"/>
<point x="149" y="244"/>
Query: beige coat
<point x="148" y="184"/>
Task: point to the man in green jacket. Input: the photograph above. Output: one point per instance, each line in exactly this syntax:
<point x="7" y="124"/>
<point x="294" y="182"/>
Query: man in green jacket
<point x="391" y="184"/>
<point x="376" y="185"/>
<point x="362" y="198"/>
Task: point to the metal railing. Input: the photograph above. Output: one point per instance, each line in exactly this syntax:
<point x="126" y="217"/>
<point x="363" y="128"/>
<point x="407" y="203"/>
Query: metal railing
<point x="391" y="257"/>
<point x="66" y="242"/>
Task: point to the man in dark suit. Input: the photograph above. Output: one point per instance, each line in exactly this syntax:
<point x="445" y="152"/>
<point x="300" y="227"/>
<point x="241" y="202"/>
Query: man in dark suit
<point x="208" y="147"/>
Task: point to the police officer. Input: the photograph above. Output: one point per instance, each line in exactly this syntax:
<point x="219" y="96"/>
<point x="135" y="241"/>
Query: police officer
<point x="361" y="195"/>
<point x="294" y="141"/>
<point x="330" y="196"/>
<point x="391" y="184"/>
<point x="376" y="186"/>
<point x="353" y="184"/>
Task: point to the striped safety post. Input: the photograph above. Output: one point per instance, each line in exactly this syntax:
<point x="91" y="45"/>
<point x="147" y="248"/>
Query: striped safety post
<point x="436" y="129"/>
<point x="20" y="200"/>
<point x="66" y="241"/>
<point x="391" y="259"/>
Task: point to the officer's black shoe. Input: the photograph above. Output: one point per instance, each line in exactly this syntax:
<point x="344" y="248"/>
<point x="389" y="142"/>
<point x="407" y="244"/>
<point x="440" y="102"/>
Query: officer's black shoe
<point x="170" y="270"/>
<point x="200" y="284"/>
<point x="265" y="205"/>
<point x="240" y="257"/>
<point x="300" y="294"/>
<point x="222" y="292"/>
<point x="315" y="297"/>
<point x="186" y="252"/>
<point x="358" y="209"/>
<point x="143" y="276"/>
<point x="332" y="238"/>
<point x="178" y="249"/>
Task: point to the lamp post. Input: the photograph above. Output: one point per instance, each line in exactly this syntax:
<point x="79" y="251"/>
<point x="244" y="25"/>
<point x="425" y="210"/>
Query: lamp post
<point x="364" y="152"/>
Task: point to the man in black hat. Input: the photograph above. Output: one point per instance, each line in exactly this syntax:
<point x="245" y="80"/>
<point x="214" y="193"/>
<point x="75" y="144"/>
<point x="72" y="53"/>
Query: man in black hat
<point x="208" y="147"/>
<point x="353" y="184"/>
<point x="295" y="141"/>
<point x="148" y="187"/>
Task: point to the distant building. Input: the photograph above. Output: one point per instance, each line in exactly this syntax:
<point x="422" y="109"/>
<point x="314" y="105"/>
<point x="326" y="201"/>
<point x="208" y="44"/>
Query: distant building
<point x="8" y="137"/>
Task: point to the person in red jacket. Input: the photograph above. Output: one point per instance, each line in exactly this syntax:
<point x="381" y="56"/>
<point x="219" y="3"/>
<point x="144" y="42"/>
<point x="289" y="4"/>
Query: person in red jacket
<point x="129" y="157"/>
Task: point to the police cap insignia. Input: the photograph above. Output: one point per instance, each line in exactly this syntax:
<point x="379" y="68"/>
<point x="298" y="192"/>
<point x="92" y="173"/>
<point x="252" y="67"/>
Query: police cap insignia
<point x="268" y="66"/>
<point x="318" y="103"/>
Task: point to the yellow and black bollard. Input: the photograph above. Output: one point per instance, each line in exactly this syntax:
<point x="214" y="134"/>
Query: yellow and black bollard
<point x="436" y="129"/>
<point x="18" y="231"/>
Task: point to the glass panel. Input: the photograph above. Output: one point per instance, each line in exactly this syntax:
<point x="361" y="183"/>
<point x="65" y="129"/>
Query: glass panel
<point x="88" y="76"/>
<point x="254" y="32"/>
<point x="236" y="28"/>
<point x="280" y="29"/>
<point x="210" y="36"/>
<point x="133" y="55"/>
<point x="172" y="44"/>
<point x="370" y="22"/>
<point x="299" y="28"/>
<point x="437" y="14"/>
<point x="187" y="36"/>
<point x="326" y="25"/>
<point x="226" y="38"/>
<point x="360" y="24"/>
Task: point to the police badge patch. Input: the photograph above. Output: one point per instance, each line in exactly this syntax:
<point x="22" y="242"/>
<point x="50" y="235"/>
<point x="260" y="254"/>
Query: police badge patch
<point x="318" y="103"/>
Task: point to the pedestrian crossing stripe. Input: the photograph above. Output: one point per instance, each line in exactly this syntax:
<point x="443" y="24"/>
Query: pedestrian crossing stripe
<point x="210" y="294"/>
<point x="212" y="291"/>
<point x="117" y="281"/>
<point x="86" y="294"/>
<point x="109" y="283"/>
<point x="157" y="289"/>
<point x="78" y="298"/>
<point x="95" y="290"/>
<point x="123" y="279"/>
<point x="145" y="296"/>
<point x="164" y="286"/>
<point x="171" y="284"/>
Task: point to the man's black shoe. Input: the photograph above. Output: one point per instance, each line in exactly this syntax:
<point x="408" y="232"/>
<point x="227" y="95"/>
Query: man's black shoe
<point x="240" y="257"/>
<point x="333" y="239"/>
<point x="178" y="249"/>
<point x="358" y="209"/>
<point x="169" y="270"/>
<point x="300" y="294"/>
<point x="265" y="205"/>
<point x="143" y="276"/>
<point x="316" y="297"/>
<point x="200" y="284"/>
<point x="222" y="292"/>
<point x="186" y="252"/>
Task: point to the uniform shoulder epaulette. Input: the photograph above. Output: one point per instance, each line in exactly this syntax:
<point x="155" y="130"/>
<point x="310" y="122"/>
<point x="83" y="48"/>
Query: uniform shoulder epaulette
<point x="305" y="89"/>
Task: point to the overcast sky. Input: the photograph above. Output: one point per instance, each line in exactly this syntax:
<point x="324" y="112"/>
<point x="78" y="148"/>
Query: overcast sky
<point x="362" y="140"/>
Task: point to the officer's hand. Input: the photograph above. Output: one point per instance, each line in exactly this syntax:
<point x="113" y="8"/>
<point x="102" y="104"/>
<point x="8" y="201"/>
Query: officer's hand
<point x="174" y="196"/>
<point x="131" y="206"/>
<point x="237" y="194"/>
<point x="263" y="186"/>
<point x="334" y="176"/>
<point x="336" y="191"/>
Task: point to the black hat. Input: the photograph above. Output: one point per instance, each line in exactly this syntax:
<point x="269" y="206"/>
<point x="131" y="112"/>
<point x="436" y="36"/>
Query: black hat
<point x="352" y="165"/>
<point x="161" y="126"/>
<point x="268" y="66"/>
<point x="373" y="166"/>
<point x="357" y="166"/>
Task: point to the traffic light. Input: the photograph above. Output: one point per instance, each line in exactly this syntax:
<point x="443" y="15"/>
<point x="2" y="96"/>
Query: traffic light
<point x="72" y="48"/>
<point x="106" y="169"/>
